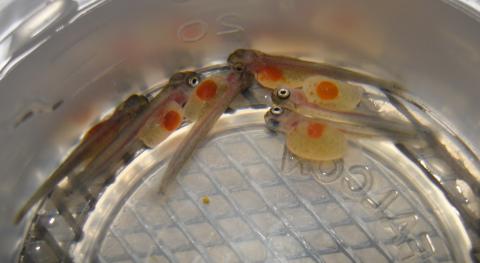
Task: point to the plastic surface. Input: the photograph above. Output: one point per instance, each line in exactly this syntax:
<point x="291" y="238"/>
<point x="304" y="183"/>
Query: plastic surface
<point x="266" y="206"/>
<point x="64" y="67"/>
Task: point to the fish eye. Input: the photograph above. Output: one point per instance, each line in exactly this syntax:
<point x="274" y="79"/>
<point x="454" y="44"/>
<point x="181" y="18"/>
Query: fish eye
<point x="193" y="81"/>
<point x="283" y="93"/>
<point x="239" y="67"/>
<point x="276" y="110"/>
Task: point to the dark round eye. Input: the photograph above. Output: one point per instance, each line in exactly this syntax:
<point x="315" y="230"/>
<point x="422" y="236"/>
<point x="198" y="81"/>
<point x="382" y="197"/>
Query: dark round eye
<point x="193" y="81"/>
<point x="283" y="93"/>
<point x="276" y="110"/>
<point x="239" y="67"/>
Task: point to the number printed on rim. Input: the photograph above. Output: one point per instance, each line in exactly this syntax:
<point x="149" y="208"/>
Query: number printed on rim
<point x="195" y="30"/>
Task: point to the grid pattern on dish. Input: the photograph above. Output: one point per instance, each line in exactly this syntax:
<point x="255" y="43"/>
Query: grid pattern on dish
<point x="260" y="211"/>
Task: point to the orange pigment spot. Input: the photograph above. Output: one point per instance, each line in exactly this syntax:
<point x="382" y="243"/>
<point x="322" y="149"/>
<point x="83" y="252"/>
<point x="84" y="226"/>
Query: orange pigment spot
<point x="270" y="73"/>
<point x="327" y="90"/>
<point x="172" y="120"/>
<point x="315" y="130"/>
<point x="207" y="90"/>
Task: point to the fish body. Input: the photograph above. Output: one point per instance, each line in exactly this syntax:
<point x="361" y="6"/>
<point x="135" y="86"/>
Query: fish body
<point x="227" y="85"/>
<point x="322" y="137"/>
<point x="320" y="91"/>
<point x="361" y="124"/>
<point x="275" y="71"/>
<point x="307" y="138"/>
<point x="95" y="141"/>
<point x="161" y="118"/>
<point x="131" y="127"/>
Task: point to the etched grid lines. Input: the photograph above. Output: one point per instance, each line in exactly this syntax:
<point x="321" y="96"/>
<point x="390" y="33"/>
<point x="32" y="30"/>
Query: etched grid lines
<point x="256" y="214"/>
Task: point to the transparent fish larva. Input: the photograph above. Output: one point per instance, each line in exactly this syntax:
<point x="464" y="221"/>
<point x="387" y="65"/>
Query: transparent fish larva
<point x="323" y="85"/>
<point x="93" y="144"/>
<point x="219" y="91"/>
<point x="352" y="122"/>
<point x="169" y="114"/>
<point x="273" y="71"/>
<point x="169" y="119"/>
<point x="105" y="145"/>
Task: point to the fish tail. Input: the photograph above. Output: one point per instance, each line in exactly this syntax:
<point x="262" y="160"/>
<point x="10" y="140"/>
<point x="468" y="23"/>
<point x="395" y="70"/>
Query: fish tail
<point x="365" y="125"/>
<point x="110" y="167"/>
<point x="43" y="190"/>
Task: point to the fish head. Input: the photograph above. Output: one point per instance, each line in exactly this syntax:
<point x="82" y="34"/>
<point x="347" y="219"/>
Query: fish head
<point x="183" y="84"/>
<point x="132" y="104"/>
<point x="185" y="80"/>
<point x="276" y="117"/>
<point x="242" y="59"/>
